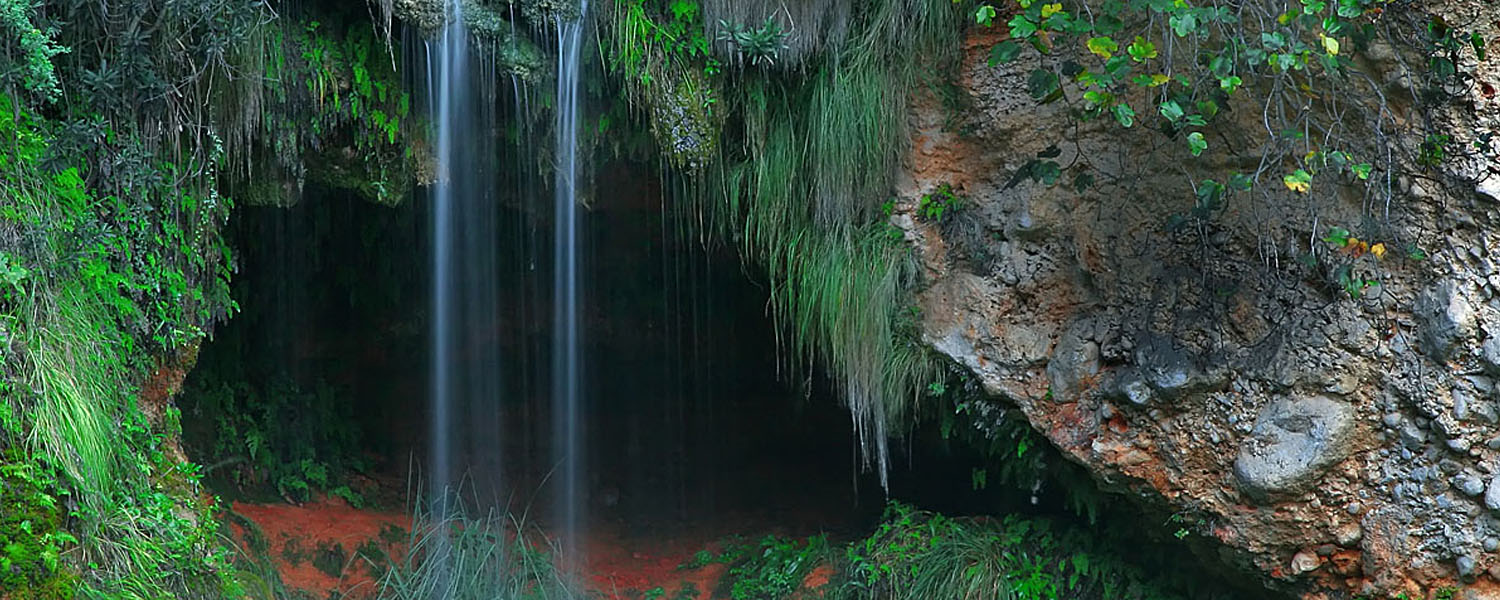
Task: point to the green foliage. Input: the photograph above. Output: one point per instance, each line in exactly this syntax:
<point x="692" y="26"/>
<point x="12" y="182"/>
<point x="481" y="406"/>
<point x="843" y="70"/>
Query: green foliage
<point x="660" y="50"/>
<point x="117" y="269"/>
<point x="322" y="86"/>
<point x="760" y="46"/>
<point x="37" y="45"/>
<point x="652" y="34"/>
<point x="799" y="190"/>
<point x="776" y="568"/>
<point x="277" y="436"/>
<point x="940" y="203"/>
<point x="918" y="555"/>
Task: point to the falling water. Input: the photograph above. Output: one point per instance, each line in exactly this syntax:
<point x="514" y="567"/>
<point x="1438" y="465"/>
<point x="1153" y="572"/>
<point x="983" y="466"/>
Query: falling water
<point x="466" y="357"/>
<point x="567" y="372"/>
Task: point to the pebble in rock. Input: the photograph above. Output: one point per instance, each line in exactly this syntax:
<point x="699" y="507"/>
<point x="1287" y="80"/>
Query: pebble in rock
<point x="1491" y="544"/>
<point x="1467" y="566"/>
<point x="1305" y="561"/>
<point x="1348" y="535"/>
<point x="1470" y="484"/>
<point x="1492" y="495"/>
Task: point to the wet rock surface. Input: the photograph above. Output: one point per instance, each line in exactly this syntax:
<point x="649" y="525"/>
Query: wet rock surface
<point x="1333" y="446"/>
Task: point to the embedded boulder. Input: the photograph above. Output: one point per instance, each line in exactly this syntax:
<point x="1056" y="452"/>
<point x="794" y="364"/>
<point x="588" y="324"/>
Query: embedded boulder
<point x="1293" y="442"/>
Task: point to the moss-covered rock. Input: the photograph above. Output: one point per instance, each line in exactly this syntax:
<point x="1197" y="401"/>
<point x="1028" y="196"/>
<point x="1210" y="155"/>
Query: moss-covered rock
<point x="683" y="120"/>
<point x="32" y="539"/>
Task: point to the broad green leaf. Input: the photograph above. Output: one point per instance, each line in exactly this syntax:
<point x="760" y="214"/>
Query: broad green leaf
<point x="1337" y="236"/>
<point x="1004" y="52"/>
<point x="985" y="15"/>
<point x="1104" y="47"/>
<point x="1171" y="110"/>
<point x="1184" y="24"/>
<point x="1196" y="143"/>
<point x="1124" y="114"/>
<point x="1142" y="50"/>
<point x="1021" y="28"/>
<point x="1330" y="45"/>
<point x="1239" y="182"/>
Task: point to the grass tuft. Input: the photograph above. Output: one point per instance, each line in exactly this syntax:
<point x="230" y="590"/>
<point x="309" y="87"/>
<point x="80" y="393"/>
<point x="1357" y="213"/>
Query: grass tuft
<point x="460" y="556"/>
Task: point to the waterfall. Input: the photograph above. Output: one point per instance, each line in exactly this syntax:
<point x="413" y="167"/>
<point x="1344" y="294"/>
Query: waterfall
<point x="465" y="416"/>
<point x="567" y="370"/>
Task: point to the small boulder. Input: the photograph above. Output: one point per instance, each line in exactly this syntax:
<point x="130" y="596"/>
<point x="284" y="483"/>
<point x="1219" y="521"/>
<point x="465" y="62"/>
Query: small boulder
<point x="1492" y="495"/>
<point x="1446" y="317"/>
<point x="1305" y="562"/>
<point x="1292" y="443"/>
<point x="1469" y="483"/>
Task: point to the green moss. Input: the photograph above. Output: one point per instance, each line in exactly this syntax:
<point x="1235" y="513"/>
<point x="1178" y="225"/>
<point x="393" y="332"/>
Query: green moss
<point x="32" y="537"/>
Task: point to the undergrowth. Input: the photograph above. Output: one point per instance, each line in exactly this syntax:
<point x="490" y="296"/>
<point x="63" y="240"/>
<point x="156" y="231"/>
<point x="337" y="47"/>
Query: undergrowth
<point x="109" y="233"/>
<point x="920" y="555"/>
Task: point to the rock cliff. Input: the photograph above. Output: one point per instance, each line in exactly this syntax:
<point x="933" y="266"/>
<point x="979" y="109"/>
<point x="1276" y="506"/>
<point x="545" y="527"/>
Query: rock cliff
<point x="1336" y="441"/>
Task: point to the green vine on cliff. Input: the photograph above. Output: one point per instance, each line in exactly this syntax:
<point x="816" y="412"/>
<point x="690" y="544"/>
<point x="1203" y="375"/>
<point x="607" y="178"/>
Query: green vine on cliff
<point x="1302" y="67"/>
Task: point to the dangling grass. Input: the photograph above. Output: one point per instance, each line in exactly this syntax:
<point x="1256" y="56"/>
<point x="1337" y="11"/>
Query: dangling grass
<point x="459" y="556"/>
<point x="799" y="186"/>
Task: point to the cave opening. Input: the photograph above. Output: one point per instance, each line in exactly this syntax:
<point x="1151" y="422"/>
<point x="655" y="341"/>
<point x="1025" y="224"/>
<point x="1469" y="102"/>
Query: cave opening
<point x="694" y="412"/>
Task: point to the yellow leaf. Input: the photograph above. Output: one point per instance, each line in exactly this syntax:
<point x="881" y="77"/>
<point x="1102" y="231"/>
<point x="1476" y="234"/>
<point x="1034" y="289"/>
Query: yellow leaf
<point x="1159" y="79"/>
<point x="1299" y="181"/>
<point x="1051" y="9"/>
<point x="1331" y="45"/>
<point x="1378" y="250"/>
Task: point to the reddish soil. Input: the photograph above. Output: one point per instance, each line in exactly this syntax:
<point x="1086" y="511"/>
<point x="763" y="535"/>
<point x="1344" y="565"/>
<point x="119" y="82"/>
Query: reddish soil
<point x="326" y="523"/>
<point x="620" y="565"/>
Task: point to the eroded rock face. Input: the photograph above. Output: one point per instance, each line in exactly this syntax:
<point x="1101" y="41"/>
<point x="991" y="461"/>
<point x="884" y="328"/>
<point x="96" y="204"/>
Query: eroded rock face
<point x="1334" y="446"/>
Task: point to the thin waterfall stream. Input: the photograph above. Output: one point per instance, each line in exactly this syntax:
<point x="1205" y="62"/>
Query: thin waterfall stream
<point x="466" y="360"/>
<point x="567" y="367"/>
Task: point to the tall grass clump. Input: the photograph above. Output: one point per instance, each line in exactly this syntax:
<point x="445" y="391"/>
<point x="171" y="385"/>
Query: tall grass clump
<point x="456" y="555"/>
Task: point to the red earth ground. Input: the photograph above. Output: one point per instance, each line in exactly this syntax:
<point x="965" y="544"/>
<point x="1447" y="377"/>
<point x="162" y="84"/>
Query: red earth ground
<point x="620" y="565"/>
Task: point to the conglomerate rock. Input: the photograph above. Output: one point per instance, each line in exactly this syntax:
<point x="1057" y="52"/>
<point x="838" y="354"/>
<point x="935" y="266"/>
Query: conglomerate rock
<point x="1336" y="446"/>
